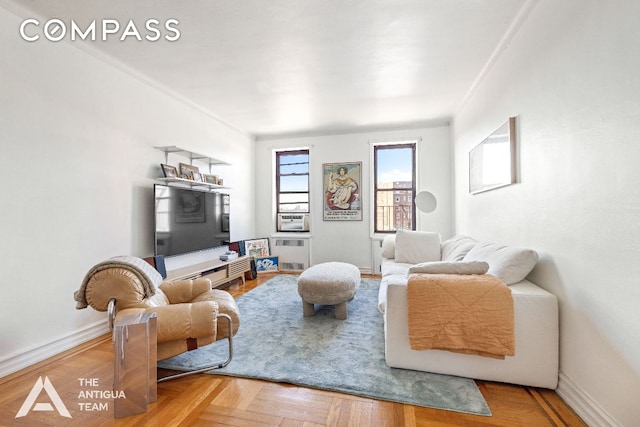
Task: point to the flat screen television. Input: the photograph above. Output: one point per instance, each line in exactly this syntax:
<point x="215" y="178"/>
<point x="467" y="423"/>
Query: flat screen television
<point x="188" y="220"/>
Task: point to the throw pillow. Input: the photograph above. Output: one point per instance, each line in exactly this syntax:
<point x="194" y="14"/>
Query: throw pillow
<point x="450" y="267"/>
<point x="414" y="247"/>
<point x="509" y="264"/>
<point x="455" y="248"/>
<point x="389" y="246"/>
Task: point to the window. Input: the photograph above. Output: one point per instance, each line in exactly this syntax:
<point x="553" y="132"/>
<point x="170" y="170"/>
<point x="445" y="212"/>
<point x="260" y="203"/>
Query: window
<point x="292" y="181"/>
<point x="394" y="187"/>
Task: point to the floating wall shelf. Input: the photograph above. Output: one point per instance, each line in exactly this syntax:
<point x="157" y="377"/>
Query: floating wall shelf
<point x="181" y="182"/>
<point x="172" y="149"/>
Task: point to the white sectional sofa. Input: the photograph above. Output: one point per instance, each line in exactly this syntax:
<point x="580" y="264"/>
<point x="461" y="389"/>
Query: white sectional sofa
<point x="535" y="310"/>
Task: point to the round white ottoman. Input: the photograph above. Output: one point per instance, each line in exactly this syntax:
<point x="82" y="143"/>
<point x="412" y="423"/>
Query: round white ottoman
<point x="329" y="283"/>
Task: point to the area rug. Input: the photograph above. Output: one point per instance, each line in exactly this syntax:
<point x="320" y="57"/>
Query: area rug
<point x="276" y="343"/>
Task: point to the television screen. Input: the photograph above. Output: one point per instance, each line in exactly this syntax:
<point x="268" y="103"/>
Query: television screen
<point x="188" y="220"/>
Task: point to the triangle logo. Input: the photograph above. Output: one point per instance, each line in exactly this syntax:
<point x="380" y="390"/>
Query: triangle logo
<point x="30" y="403"/>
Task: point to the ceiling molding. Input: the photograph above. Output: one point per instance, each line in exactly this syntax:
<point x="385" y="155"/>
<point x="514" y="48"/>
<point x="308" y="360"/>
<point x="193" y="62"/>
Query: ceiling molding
<point x="513" y="29"/>
<point x="356" y="129"/>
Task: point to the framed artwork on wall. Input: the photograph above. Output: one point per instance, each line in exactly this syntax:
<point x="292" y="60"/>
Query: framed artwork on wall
<point x="492" y="163"/>
<point x="341" y="184"/>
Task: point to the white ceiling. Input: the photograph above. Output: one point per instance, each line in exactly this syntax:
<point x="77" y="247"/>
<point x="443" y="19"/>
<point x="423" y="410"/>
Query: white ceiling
<point x="282" y="67"/>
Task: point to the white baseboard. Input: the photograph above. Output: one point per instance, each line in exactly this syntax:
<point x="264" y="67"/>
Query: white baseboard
<point x="23" y="359"/>
<point x="586" y="408"/>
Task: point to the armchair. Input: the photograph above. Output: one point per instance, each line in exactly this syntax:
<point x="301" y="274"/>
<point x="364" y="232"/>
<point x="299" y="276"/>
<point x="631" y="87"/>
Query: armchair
<point x="188" y="311"/>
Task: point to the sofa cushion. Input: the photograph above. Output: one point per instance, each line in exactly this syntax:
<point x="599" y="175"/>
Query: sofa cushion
<point x="417" y="246"/>
<point x="450" y="267"/>
<point x="509" y="264"/>
<point x="455" y="248"/>
<point x="389" y="267"/>
<point x="389" y="246"/>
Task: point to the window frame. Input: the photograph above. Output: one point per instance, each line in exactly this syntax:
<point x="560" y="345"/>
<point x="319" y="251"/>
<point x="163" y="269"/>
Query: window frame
<point x="278" y="175"/>
<point x="404" y="144"/>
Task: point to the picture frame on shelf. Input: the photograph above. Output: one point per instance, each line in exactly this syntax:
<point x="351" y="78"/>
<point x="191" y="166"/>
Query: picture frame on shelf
<point x="169" y="171"/>
<point x="210" y="179"/>
<point x="257" y="248"/>
<point x="196" y="176"/>
<point x="189" y="171"/>
<point x="267" y="264"/>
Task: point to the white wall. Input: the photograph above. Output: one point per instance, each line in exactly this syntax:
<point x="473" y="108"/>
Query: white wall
<point x="571" y="75"/>
<point x="76" y="137"/>
<point x="350" y="241"/>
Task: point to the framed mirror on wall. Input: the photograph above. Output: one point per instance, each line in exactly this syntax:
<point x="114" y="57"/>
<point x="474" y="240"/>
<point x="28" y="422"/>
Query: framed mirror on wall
<point x="492" y="163"/>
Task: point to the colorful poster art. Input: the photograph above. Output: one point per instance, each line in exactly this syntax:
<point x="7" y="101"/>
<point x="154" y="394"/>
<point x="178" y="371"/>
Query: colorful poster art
<point x="256" y="248"/>
<point x="341" y="183"/>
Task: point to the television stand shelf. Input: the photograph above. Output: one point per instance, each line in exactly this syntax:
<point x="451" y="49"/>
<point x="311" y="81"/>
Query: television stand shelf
<point x="219" y="272"/>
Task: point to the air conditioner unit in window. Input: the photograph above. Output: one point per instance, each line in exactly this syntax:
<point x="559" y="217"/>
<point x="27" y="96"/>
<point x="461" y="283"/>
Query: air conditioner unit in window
<point x="293" y="222"/>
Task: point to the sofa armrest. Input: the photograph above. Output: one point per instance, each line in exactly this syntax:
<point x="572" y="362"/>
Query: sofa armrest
<point x="181" y="291"/>
<point x="226" y="305"/>
<point x="536" y="333"/>
<point x="181" y="321"/>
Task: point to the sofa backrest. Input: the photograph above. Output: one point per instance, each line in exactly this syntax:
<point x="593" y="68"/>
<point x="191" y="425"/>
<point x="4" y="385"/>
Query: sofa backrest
<point x="457" y="247"/>
<point x="412" y="247"/>
<point x="509" y="264"/>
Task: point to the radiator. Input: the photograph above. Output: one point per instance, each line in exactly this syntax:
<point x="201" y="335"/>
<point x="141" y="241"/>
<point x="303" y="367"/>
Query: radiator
<point x="292" y="253"/>
<point x="376" y="254"/>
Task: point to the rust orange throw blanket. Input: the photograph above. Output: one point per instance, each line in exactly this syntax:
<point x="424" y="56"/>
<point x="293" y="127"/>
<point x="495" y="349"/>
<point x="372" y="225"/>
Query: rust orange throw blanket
<point x="471" y="314"/>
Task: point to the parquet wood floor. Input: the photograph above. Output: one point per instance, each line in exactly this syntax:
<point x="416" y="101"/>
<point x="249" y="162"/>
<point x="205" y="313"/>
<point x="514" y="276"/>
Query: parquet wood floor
<point x="209" y="400"/>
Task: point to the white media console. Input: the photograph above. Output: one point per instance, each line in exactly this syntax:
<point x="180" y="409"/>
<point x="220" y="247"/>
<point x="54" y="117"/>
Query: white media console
<point x="219" y="272"/>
